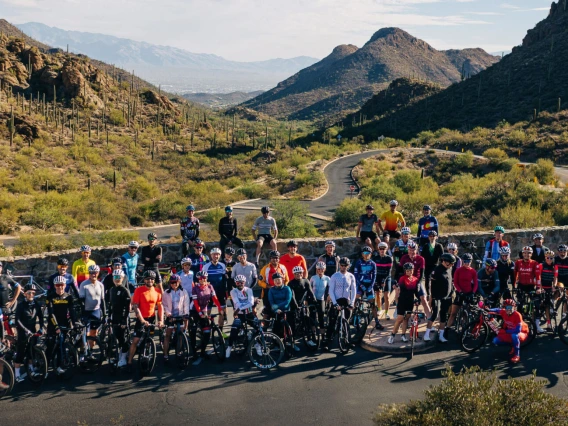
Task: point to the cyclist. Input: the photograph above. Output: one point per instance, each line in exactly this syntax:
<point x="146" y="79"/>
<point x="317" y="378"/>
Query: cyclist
<point x="426" y="224"/>
<point x="244" y="268"/>
<point x="279" y="299"/>
<point x="393" y="219"/>
<point x="8" y="304"/>
<point x="527" y="275"/>
<point x="228" y="230"/>
<point x="228" y="261"/>
<point x="186" y="275"/>
<point x="70" y="284"/>
<point x="514" y="329"/>
<point x="119" y="309"/>
<point x="410" y="289"/>
<point x="441" y="292"/>
<point x="365" y="227"/>
<point x="365" y="272"/>
<point x="28" y="316"/>
<point x="539" y="250"/>
<point x="262" y="231"/>
<point x="202" y="294"/>
<point x="320" y="286"/>
<point x="330" y="259"/>
<point x="342" y="292"/>
<point x="417" y="271"/>
<point x="493" y="245"/>
<point x="216" y="273"/>
<point x="549" y="280"/>
<point x="265" y="280"/>
<point x="189" y="230"/>
<point x="92" y="293"/>
<point x="198" y="259"/>
<point x="130" y="263"/>
<point x="176" y="304"/>
<point x="382" y="285"/>
<point x="80" y="268"/>
<point x="151" y="256"/>
<point x="488" y="283"/>
<point x="431" y="252"/>
<point x="243" y="309"/>
<point x="145" y="301"/>
<point x="301" y="290"/>
<point x="59" y="312"/>
<point x="108" y="281"/>
<point x="506" y="271"/>
<point x="453" y="249"/>
<point x="401" y="245"/>
<point x="292" y="258"/>
<point x="561" y="261"/>
<point x="465" y="284"/>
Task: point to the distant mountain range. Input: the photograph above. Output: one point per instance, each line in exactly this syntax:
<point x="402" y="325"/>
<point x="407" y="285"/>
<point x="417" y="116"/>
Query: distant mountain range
<point x="181" y="69"/>
<point x="349" y="76"/>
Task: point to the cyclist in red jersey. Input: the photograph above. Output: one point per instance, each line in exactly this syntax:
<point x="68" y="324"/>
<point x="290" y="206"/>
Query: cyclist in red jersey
<point x="526" y="275"/>
<point x="418" y="270"/>
<point x="465" y="284"/>
<point x="548" y="280"/>
<point x="514" y="330"/>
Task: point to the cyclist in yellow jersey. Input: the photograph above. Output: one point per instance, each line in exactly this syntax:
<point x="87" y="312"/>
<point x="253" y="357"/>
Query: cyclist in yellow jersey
<point x="393" y="221"/>
<point x="80" y="269"/>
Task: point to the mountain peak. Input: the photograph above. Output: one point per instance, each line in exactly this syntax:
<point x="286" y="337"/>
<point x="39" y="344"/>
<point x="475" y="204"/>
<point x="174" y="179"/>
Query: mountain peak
<point x="344" y="50"/>
<point x="555" y="23"/>
<point x="390" y="31"/>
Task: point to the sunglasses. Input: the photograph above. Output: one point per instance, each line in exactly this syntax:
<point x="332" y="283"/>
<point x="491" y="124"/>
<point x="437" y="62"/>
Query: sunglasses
<point x="93" y="273"/>
<point x="382" y="248"/>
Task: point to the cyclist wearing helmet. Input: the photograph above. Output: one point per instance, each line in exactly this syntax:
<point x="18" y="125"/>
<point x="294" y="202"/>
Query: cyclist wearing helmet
<point x="514" y="329"/>
<point x="365" y="272"/>
<point x="330" y="259"/>
<point x="176" y="304"/>
<point x="382" y="286"/>
<point x="130" y="263"/>
<point x="244" y="268"/>
<point x="506" y="271"/>
<point x="228" y="230"/>
<point x="265" y="280"/>
<point x="488" y="283"/>
<point x="293" y="259"/>
<point x="217" y="276"/>
<point x="426" y="224"/>
<point x="186" y="275"/>
<point x="80" y="268"/>
<point x="441" y="293"/>
<point x="198" y="258"/>
<point x="108" y="281"/>
<point x="228" y="261"/>
<point x="561" y="261"/>
<point x="453" y="249"/>
<point x="92" y="293"/>
<point x="70" y="284"/>
<point x="538" y="250"/>
<point x="342" y="292"/>
<point x="120" y="298"/>
<point x="9" y="293"/>
<point x="320" y="287"/>
<point x="414" y="258"/>
<point x="431" y="252"/>
<point x="301" y="290"/>
<point x="527" y="272"/>
<point x="243" y="309"/>
<point x="189" y="230"/>
<point x="393" y="220"/>
<point x="279" y="298"/>
<point x="365" y="227"/>
<point x="151" y="256"/>
<point x="549" y="280"/>
<point x="493" y="245"/>
<point x="28" y="316"/>
<point x="262" y="231"/>
<point x="145" y="301"/>
<point x="401" y="245"/>
<point x="465" y="284"/>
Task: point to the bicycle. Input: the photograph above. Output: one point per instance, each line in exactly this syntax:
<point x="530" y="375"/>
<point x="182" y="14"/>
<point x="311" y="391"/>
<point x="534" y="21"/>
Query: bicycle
<point x="146" y="350"/>
<point x="35" y="352"/>
<point x="413" y="322"/>
<point x="547" y="305"/>
<point x="179" y="339"/>
<point x="308" y="327"/>
<point x="466" y="312"/>
<point x="7" y="377"/>
<point x="91" y="355"/>
<point x="471" y="248"/>
<point x="265" y="349"/>
<point x="360" y="319"/>
<point x="63" y="354"/>
<point x="341" y="330"/>
<point x="111" y="345"/>
<point x="287" y="336"/>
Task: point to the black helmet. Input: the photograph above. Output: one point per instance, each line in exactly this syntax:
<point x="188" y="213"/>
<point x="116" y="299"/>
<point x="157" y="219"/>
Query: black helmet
<point x="152" y="236"/>
<point x="230" y="250"/>
<point x="467" y="257"/>
<point x="432" y="234"/>
<point x="277" y="275"/>
<point x="30" y="287"/>
<point x="448" y="257"/>
<point x="202" y="274"/>
<point x="62" y="261"/>
<point x="292" y="243"/>
<point x="241" y="252"/>
<point x="116" y="261"/>
<point x="344" y="261"/>
<point x="265" y="209"/>
<point x="274" y="254"/>
<point x="367" y="249"/>
<point x="150" y="274"/>
<point x="408" y="266"/>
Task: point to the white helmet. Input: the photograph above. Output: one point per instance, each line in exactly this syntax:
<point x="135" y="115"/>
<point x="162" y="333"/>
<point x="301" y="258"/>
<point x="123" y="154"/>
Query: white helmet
<point x="215" y="250"/>
<point x="118" y="272"/>
<point x="133" y="244"/>
<point x="320" y="265"/>
<point x="393" y="203"/>
<point x="411" y="244"/>
<point x="60" y="279"/>
<point x="405" y="230"/>
<point x="297" y="270"/>
<point x="527" y="249"/>
<point x="186" y="260"/>
<point x="94" y="268"/>
<point x="383" y="245"/>
<point x="452" y="246"/>
<point x="505" y="250"/>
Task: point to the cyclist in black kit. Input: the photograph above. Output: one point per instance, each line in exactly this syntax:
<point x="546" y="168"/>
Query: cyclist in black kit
<point x="330" y="259"/>
<point x="151" y="256"/>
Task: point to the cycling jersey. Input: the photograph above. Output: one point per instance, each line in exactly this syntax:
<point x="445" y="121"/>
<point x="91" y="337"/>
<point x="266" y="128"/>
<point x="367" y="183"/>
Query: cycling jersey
<point x="343" y="286"/>
<point x="216" y="276"/>
<point x="202" y="295"/>
<point x="465" y="280"/>
<point x="264" y="226"/>
<point x="186" y="280"/>
<point x="70" y="284"/>
<point x="129" y="265"/>
<point x="441" y="283"/>
<point x="562" y="264"/>
<point x="176" y="302"/>
<point x="119" y="304"/>
<point x="431" y="254"/>
<point x="547" y="274"/>
<point x="506" y="272"/>
<point x="392" y="220"/>
<point x="320" y="286"/>
<point x="6" y="291"/>
<point x="265" y="280"/>
<point x="80" y="270"/>
<point x="289" y="262"/>
<point x="229" y="264"/>
<point x="93" y="295"/>
<point x="418" y="263"/>
<point x="488" y="283"/>
<point x="280" y="298"/>
<point x="409" y="287"/>
<point x="400" y="248"/>
<point x="243" y="300"/>
<point x="149" y="257"/>
<point x="189" y="228"/>
<point x="368" y="222"/>
<point x="301" y="288"/>
<point x="365" y="272"/>
<point x="198" y="261"/>
<point x="147" y="299"/>
<point x="527" y="273"/>
<point x="248" y="270"/>
<point x="425" y="225"/>
<point x="59" y="310"/>
<point x="384" y="268"/>
<point x="228" y="227"/>
<point x="27" y="315"/>
<point x="331" y="263"/>
<point x="492" y="249"/>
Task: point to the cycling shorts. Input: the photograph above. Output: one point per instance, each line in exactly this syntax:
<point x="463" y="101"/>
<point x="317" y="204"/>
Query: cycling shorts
<point x="384" y="286"/>
<point x="266" y="238"/>
<point x="527" y="288"/>
<point x="92" y="319"/>
<point x="460" y="298"/>
<point x="368" y="234"/>
<point x="139" y="328"/>
<point x="364" y="289"/>
<point x="392" y="234"/>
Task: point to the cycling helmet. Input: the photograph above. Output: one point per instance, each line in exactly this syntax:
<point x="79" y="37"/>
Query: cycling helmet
<point x="383" y="245"/>
<point x="277" y="275"/>
<point x="274" y="254"/>
<point x="215" y="250"/>
<point x="190" y="208"/>
<point x="538" y="236"/>
<point x="59" y="280"/>
<point x="265" y="209"/>
<point x="30" y="287"/>
<point x="509" y="302"/>
<point x="344" y="261"/>
<point x="452" y="246"/>
<point x="320" y="265"/>
<point x="149" y="274"/>
<point x="500" y="229"/>
<point x="202" y="275"/>
<point x="550" y="254"/>
<point x="185" y="261"/>
<point x="330" y="243"/>
<point x="427" y="207"/>
<point x="133" y="244"/>
<point x="198" y="244"/>
<point x="297" y="270"/>
<point x="504" y="250"/>
<point x="405" y="230"/>
<point x="118" y="274"/>
<point x="85" y="248"/>
<point x="432" y="234"/>
<point x="491" y="262"/>
<point x="62" y="261"/>
<point x="117" y="261"/>
<point x="448" y="257"/>
<point x="467" y="258"/>
<point x="152" y="236"/>
<point x="367" y="250"/>
<point x="369" y="207"/>
<point x="408" y="266"/>
<point x="240" y="279"/>
<point x="230" y="250"/>
<point x="175" y="278"/>
<point x="292" y="243"/>
<point x="562" y="247"/>
<point x="241" y="252"/>
<point x="412" y="245"/>
<point x="527" y="249"/>
<point x="94" y="268"/>
<point x="393" y="203"/>
<point x="228" y="209"/>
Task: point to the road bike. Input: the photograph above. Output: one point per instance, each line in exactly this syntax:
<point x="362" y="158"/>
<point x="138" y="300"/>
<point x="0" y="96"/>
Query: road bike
<point x="63" y="354"/>
<point x="91" y="354"/>
<point x="416" y="317"/>
<point x="7" y="378"/>
<point x="217" y="339"/>
<point x="146" y="350"/>
<point x="287" y="335"/>
<point x="308" y="328"/>
<point x="341" y="331"/>
<point x="111" y="345"/>
<point x="265" y="349"/>
<point x="361" y="316"/>
<point x="179" y="340"/>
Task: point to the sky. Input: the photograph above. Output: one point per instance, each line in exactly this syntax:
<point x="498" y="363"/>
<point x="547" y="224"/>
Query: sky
<point x="250" y="30"/>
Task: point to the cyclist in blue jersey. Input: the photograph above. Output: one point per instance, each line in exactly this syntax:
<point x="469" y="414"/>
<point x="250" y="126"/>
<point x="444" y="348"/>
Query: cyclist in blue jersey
<point x="70" y="284"/>
<point x="365" y="272"/>
<point x="492" y="247"/>
<point x="198" y="259"/>
<point x="401" y="245"/>
<point x="217" y="275"/>
<point x="426" y="224"/>
<point x="189" y="230"/>
<point x="320" y="286"/>
<point x="130" y="264"/>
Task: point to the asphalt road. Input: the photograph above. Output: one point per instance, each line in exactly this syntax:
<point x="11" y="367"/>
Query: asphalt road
<point x="320" y="389"/>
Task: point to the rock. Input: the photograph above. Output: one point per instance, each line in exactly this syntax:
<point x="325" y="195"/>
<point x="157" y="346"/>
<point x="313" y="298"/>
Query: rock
<point x="16" y="46"/>
<point x="48" y="76"/>
<point x="33" y="56"/>
<point x="73" y="81"/>
<point x="153" y="98"/>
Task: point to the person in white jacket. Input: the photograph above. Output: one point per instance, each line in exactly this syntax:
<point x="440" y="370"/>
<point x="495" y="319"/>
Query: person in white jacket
<point x="175" y="301"/>
<point x="243" y="305"/>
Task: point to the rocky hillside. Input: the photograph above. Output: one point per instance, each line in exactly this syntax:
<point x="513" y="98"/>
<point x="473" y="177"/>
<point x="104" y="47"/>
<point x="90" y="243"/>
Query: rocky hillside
<point x="349" y="76"/>
<point x="530" y="80"/>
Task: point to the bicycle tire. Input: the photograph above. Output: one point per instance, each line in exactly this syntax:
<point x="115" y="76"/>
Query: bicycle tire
<point x="39" y="364"/>
<point x="271" y="348"/>
<point x="182" y="350"/>
<point x="474" y="336"/>
<point x="94" y="355"/>
<point x="343" y="337"/>
<point x="113" y="353"/>
<point x="563" y="330"/>
<point x="310" y="334"/>
<point x="531" y="335"/>
<point x="147" y="356"/>
<point x="359" y="323"/>
<point x="7" y="378"/>
<point x="68" y="363"/>
<point x="218" y="342"/>
<point x="288" y="339"/>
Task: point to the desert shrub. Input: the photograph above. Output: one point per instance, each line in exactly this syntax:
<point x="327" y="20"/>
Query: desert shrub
<point x="544" y="171"/>
<point x="408" y="180"/>
<point x="116" y="117"/>
<point x="495" y="154"/>
<point x="254" y="190"/>
<point x="524" y="216"/>
<point x="463" y="161"/>
<point x="292" y="220"/>
<point x="309" y="179"/>
<point x="140" y="189"/>
<point x="348" y="212"/>
<point x="213" y="216"/>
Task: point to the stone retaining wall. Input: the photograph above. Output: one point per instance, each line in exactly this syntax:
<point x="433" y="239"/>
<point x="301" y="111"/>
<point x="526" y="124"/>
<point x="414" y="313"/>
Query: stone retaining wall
<point x="45" y="264"/>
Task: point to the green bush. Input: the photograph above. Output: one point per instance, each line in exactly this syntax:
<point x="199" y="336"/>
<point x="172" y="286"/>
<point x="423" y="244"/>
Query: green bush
<point x="348" y="212"/>
<point x="292" y="220"/>
<point x="495" y="154"/>
<point x="254" y="190"/>
<point x="115" y="117"/>
<point x="213" y="216"/>
<point x="463" y="161"/>
<point x="408" y="180"/>
<point x="141" y="190"/>
<point x="544" y="171"/>
<point x="523" y="216"/>
<point x="477" y="398"/>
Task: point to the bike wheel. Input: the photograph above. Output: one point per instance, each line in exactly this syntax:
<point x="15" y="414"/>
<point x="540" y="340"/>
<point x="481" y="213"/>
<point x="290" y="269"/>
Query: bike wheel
<point x="288" y="339"/>
<point x="462" y="322"/>
<point x="104" y="337"/>
<point x="39" y="365"/>
<point x="311" y="333"/>
<point x="94" y="355"/>
<point x="6" y="378"/>
<point x="113" y="351"/>
<point x="531" y="334"/>
<point x="69" y="360"/>
<point x="359" y="324"/>
<point x="182" y="350"/>
<point x="218" y="342"/>
<point x="265" y="351"/>
<point x="343" y="337"/>
<point x="147" y="356"/>
<point x="474" y="336"/>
